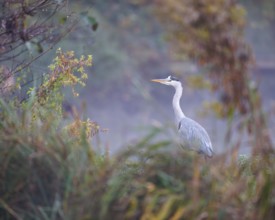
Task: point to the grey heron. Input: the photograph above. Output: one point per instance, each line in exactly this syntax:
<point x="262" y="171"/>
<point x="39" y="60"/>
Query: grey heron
<point x="193" y="136"/>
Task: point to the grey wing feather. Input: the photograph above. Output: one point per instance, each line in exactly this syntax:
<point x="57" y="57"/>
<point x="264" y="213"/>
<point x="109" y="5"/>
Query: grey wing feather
<point x="195" y="137"/>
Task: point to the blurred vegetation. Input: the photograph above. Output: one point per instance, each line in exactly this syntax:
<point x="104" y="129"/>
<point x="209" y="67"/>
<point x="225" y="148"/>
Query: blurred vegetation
<point x="50" y="170"/>
<point x="46" y="173"/>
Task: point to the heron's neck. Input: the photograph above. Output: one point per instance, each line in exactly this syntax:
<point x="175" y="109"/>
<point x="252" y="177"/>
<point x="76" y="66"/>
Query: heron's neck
<point x="176" y="104"/>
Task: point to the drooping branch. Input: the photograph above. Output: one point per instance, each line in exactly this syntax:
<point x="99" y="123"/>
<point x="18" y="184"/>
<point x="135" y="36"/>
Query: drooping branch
<point x="30" y="26"/>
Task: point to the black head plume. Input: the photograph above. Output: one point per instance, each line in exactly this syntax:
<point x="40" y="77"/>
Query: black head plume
<point x="174" y="78"/>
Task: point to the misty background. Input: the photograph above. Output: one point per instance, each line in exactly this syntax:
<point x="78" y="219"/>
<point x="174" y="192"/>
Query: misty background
<point x="130" y="48"/>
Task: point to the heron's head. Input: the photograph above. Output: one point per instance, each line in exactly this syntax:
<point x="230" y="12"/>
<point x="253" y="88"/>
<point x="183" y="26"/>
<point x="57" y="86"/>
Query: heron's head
<point x="170" y="81"/>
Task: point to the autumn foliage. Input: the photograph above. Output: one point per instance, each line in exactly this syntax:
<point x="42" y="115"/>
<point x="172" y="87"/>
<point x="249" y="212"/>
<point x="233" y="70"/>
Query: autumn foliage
<point x="51" y="168"/>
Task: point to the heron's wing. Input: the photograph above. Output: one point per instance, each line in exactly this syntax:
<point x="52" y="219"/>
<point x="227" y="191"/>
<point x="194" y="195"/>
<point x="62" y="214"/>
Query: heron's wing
<point x="195" y="137"/>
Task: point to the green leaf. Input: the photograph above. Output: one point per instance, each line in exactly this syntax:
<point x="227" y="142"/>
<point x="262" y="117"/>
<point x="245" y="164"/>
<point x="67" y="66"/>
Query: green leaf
<point x="93" y="22"/>
<point x="63" y="19"/>
<point x="89" y="20"/>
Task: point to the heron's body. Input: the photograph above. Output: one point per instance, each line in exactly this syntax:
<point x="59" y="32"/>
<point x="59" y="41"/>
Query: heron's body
<point x="193" y="136"/>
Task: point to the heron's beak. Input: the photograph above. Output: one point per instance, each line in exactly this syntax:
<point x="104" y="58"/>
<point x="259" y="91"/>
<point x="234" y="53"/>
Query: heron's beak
<point x="163" y="81"/>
